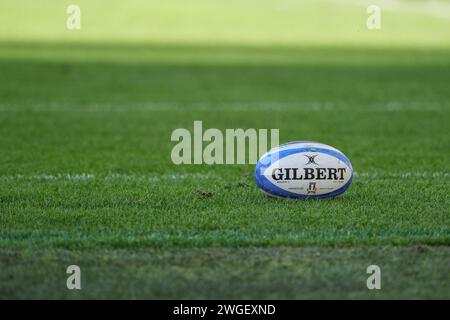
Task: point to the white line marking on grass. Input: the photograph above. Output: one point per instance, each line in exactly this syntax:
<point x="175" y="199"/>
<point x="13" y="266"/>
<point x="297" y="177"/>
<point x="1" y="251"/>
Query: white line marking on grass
<point x="202" y="176"/>
<point x="402" y="175"/>
<point x="110" y="177"/>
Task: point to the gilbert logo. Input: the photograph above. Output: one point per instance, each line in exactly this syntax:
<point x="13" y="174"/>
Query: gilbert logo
<point x="311" y="159"/>
<point x="308" y="173"/>
<point x="239" y="146"/>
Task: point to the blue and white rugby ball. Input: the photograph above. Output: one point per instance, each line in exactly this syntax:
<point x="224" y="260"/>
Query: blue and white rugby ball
<point x="304" y="169"/>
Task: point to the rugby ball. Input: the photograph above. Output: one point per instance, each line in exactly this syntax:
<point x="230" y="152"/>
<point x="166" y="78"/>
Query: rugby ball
<point x="304" y="169"/>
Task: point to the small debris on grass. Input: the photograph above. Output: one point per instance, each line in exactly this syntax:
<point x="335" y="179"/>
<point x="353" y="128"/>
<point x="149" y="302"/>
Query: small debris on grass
<point x="203" y="194"/>
<point x="420" y="248"/>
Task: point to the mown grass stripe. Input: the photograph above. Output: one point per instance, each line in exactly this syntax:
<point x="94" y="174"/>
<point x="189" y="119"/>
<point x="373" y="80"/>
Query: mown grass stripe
<point x="313" y="106"/>
<point x="224" y="239"/>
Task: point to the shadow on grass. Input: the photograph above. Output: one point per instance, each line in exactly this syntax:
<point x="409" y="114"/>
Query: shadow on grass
<point x="118" y="74"/>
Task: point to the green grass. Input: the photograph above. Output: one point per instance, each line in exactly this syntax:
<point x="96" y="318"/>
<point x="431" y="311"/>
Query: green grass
<point x="85" y="170"/>
<point x="157" y="210"/>
<point x="218" y="273"/>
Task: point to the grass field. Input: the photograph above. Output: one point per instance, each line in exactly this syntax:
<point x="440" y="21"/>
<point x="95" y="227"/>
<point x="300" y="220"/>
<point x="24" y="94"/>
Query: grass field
<point x="86" y="176"/>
